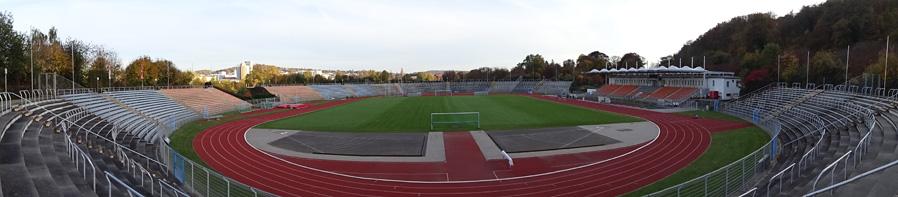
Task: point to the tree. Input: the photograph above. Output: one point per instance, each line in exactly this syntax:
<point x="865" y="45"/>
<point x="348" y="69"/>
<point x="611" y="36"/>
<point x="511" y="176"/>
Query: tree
<point x="449" y="76"/>
<point x="826" y="68"/>
<point x="878" y="68"/>
<point x="790" y="68"/>
<point x="567" y="69"/>
<point x="132" y="74"/>
<point x="533" y="65"/>
<point x="262" y="73"/>
<point x="632" y="59"/>
<point x="12" y="52"/>
<point x="385" y="76"/>
<point x="425" y="76"/>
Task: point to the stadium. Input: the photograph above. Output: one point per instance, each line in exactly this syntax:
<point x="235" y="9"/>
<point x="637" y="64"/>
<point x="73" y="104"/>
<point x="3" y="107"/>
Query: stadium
<point x="448" y="138"/>
<point x="797" y="103"/>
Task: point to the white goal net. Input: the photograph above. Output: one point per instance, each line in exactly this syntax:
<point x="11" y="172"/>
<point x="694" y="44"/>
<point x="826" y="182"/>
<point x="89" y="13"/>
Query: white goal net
<point x="482" y="93"/>
<point x="455" y="120"/>
<point x="413" y="94"/>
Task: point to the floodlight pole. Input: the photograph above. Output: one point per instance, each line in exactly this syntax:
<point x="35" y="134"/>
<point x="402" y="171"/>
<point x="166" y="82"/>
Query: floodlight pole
<point x="847" y="56"/>
<point x="807" y="70"/>
<point x="31" y="50"/>
<point x="73" y="65"/>
<point x="885" y="75"/>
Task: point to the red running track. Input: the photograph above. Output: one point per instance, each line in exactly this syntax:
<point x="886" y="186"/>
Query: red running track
<point x="681" y="140"/>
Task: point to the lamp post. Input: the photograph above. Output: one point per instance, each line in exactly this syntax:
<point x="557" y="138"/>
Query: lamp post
<point x="98" y="84"/>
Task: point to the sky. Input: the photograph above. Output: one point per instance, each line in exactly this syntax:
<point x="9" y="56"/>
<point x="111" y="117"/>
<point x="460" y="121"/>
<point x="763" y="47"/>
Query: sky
<point x="383" y="35"/>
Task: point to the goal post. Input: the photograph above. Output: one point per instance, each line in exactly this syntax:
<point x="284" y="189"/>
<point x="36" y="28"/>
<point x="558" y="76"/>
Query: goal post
<point x="455" y="118"/>
<point x="437" y="92"/>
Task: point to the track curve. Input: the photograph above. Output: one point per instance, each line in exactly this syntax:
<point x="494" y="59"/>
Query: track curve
<point x="681" y="140"/>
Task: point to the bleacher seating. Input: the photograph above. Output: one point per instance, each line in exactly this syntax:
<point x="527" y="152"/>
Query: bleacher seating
<point x="607" y="89"/>
<point x="156" y="106"/>
<point x="662" y="92"/>
<point x="362" y="90"/>
<point x="503" y="86"/>
<point x="196" y="98"/>
<point x="332" y="91"/>
<point x="423" y="87"/>
<point x="845" y="116"/>
<point x="290" y="94"/>
<point x="642" y="92"/>
<point x="133" y="122"/>
<point x="470" y="86"/>
<point x="36" y="161"/>
<point x="623" y="90"/>
<point x="525" y="86"/>
<point x="385" y="88"/>
<point x="682" y="93"/>
<point x="553" y="87"/>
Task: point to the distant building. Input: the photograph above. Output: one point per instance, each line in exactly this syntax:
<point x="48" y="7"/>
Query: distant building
<point x="243" y="69"/>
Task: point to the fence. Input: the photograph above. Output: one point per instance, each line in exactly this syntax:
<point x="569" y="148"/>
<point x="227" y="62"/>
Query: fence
<point x="726" y="180"/>
<point x="200" y="180"/>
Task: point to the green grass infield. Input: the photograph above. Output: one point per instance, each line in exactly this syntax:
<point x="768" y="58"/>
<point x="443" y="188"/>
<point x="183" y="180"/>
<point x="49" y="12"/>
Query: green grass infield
<point x="413" y="114"/>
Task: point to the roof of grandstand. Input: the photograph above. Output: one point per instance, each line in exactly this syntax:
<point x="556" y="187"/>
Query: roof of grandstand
<point x="671" y="70"/>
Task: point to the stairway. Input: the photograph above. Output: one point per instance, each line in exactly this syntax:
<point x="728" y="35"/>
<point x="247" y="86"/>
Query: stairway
<point x="129" y="108"/>
<point x="350" y="91"/>
<point x="538" y="85"/>
<point x="217" y="95"/>
<point x="447" y="86"/>
<point x="399" y="88"/>
<point x="791" y="105"/>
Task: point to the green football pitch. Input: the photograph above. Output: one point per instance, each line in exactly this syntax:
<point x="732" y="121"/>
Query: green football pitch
<point x="413" y="114"/>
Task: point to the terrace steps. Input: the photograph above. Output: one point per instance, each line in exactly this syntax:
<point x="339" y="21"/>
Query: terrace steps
<point x="116" y="101"/>
<point x="398" y="87"/>
<point x="350" y="91"/>
<point x="792" y="104"/>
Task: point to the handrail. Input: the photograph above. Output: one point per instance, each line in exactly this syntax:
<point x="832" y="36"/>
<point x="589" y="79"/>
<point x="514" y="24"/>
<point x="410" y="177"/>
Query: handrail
<point x="131" y="191"/>
<point x="72" y="123"/>
<point x="852" y="179"/>
<point x="752" y="191"/>
<point x="780" y="176"/>
<point x="863" y="146"/>
<point x="809" y="154"/>
<point x="176" y="190"/>
<point x="72" y="147"/>
<point x="831" y="167"/>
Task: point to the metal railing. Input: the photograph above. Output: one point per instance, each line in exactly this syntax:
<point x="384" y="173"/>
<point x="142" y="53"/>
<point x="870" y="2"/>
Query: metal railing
<point x="131" y="191"/>
<point x="779" y="176"/>
<point x="76" y="153"/>
<point x="66" y="121"/>
<point x="832" y="170"/>
<point x="752" y="191"/>
<point x="174" y="190"/>
<point x="861" y="149"/>
<point x="200" y="180"/>
<point x="852" y="179"/>
<point x="726" y="180"/>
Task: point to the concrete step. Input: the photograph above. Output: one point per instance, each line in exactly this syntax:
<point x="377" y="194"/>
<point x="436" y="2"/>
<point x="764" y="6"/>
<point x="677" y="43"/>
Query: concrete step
<point x="12" y="161"/>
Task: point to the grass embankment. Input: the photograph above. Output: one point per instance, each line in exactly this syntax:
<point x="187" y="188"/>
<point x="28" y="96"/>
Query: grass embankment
<point x="413" y="114"/>
<point x="182" y="139"/>
<point x="726" y="148"/>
